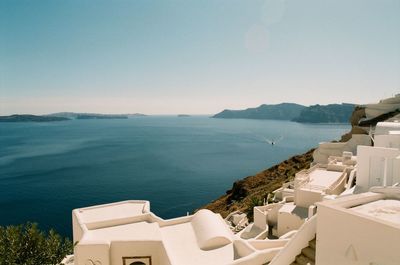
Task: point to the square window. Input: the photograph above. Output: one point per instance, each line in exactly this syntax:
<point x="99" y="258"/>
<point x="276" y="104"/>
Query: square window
<point x="143" y="260"/>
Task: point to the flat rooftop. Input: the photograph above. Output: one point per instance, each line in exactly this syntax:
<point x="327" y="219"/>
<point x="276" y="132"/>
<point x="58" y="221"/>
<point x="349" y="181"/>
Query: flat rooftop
<point x="111" y="211"/>
<point x="291" y="208"/>
<point x="323" y="178"/>
<point x="141" y="231"/>
<point x="386" y="210"/>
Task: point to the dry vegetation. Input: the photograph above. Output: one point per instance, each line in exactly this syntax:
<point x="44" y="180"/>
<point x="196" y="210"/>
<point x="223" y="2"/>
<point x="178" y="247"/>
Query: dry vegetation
<point x="249" y="190"/>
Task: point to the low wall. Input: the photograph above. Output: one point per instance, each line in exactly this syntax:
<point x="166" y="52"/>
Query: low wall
<point x="327" y="149"/>
<point x="353" y="239"/>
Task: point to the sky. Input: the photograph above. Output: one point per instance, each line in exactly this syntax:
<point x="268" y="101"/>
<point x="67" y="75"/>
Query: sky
<point x="195" y="57"/>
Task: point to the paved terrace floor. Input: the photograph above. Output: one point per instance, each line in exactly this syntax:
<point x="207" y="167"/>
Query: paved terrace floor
<point x="386" y="210"/>
<point x="323" y="178"/>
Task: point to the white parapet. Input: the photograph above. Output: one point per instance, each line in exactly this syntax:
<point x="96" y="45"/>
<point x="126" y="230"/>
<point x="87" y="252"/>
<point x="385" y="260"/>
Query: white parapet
<point x="311" y="185"/>
<point x="127" y="232"/>
<point x="359" y="229"/>
<point x="327" y="149"/>
<point x="377" y="166"/>
<point x="383" y="128"/>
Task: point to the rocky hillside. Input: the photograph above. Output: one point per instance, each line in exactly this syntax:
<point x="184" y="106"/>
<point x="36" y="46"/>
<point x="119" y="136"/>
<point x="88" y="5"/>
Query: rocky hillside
<point x="252" y="190"/>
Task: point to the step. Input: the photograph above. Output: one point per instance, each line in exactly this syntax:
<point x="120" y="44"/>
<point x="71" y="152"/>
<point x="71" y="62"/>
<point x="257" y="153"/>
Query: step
<point x="303" y="260"/>
<point x="309" y="253"/>
<point x="313" y="243"/>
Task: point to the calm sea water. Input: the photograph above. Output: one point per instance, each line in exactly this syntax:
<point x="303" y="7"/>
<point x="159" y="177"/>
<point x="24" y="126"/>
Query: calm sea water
<point x="179" y="164"/>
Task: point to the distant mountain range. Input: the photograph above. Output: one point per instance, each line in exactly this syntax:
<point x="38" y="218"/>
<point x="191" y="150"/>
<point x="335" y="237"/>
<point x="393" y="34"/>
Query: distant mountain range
<point x="332" y="113"/>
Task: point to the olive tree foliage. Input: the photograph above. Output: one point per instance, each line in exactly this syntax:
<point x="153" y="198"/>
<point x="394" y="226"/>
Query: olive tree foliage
<point x="27" y="245"/>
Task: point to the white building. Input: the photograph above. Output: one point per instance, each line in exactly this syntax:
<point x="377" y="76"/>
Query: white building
<point x="360" y="229"/>
<point x="127" y="233"/>
<point x="384" y="106"/>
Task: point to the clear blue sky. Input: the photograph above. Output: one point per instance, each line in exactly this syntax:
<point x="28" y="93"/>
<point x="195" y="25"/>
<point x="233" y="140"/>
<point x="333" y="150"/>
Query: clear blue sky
<point x="161" y="57"/>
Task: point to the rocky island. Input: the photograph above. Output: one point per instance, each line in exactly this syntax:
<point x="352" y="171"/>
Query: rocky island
<point x="82" y="115"/>
<point x="100" y="116"/>
<point x="137" y="115"/>
<point x="31" y="118"/>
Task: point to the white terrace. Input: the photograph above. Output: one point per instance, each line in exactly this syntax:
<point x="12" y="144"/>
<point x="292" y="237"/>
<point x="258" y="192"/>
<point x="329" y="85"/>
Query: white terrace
<point x="127" y="232"/>
<point x="297" y="199"/>
<point x="313" y="184"/>
<point x="360" y="229"/>
<point x="349" y="230"/>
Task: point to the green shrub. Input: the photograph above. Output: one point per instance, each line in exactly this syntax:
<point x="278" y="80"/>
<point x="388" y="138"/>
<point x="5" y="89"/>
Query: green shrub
<point x="254" y="201"/>
<point x="27" y="245"/>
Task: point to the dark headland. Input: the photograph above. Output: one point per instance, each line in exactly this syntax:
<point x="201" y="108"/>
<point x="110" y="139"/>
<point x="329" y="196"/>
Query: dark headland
<point x="332" y="113"/>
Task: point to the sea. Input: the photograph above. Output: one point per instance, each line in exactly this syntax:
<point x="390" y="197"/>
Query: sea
<point x="177" y="163"/>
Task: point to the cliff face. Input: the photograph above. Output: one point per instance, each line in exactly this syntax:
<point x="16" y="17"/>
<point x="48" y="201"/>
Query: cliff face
<point x="252" y="190"/>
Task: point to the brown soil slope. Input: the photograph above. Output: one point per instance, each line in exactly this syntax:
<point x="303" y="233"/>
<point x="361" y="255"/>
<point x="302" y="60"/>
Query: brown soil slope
<point x="252" y="190"/>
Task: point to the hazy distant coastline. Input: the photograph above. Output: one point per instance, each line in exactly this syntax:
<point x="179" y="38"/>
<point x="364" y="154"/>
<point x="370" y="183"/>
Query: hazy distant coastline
<point x="331" y="113"/>
<point x="100" y="116"/>
<point x="64" y="116"/>
<point x="31" y="118"/>
<point x="83" y="115"/>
